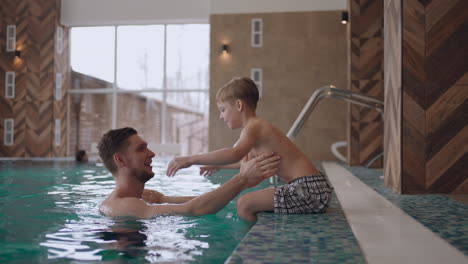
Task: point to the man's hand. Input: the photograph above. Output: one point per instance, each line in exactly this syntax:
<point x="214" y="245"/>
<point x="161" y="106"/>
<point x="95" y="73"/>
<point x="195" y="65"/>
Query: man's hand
<point x="176" y="164"/>
<point x="207" y="171"/>
<point x="254" y="171"/>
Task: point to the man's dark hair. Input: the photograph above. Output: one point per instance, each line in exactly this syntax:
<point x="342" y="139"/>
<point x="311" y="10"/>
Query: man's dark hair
<point x="79" y="155"/>
<point x="112" y="142"/>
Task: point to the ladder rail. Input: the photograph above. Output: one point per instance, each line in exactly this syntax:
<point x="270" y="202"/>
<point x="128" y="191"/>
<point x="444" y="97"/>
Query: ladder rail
<point x="330" y="91"/>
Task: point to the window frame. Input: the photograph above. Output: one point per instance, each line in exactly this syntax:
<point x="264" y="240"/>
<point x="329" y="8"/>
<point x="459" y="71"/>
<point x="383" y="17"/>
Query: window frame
<point x="10" y="38"/>
<point x="9" y="131"/>
<point x="258" y="32"/>
<point x="10" y="87"/>
<point x="258" y="82"/>
<point x="114" y="90"/>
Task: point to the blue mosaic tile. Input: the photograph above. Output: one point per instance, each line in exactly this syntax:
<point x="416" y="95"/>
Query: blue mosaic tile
<point x="445" y="217"/>
<point x="301" y="238"/>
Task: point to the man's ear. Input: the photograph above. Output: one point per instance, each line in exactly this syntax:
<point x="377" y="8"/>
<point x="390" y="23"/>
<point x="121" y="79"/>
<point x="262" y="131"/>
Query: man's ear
<point x="119" y="161"/>
<point x="239" y="105"/>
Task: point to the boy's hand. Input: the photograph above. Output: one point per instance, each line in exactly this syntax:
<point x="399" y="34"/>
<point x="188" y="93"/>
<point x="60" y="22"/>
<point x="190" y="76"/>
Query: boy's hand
<point x="207" y="171"/>
<point x="176" y="164"/>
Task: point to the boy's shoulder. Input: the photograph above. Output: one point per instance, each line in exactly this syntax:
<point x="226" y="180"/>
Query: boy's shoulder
<point x="259" y="124"/>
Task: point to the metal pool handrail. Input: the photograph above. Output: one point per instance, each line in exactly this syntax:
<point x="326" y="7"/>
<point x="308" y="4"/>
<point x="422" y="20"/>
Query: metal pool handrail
<point x="330" y="91"/>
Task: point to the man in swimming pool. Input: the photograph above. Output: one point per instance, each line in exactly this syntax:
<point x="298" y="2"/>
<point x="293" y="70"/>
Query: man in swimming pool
<point x="126" y="155"/>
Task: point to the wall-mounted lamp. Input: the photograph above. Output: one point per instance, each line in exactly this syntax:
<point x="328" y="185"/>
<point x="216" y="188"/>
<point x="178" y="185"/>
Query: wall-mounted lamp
<point x="224" y="49"/>
<point x="344" y="17"/>
<point x="17" y="54"/>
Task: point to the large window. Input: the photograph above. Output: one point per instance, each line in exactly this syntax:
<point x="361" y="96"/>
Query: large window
<point x="92" y="52"/>
<point x="187" y="65"/>
<point x="140" y="57"/>
<point x="154" y="78"/>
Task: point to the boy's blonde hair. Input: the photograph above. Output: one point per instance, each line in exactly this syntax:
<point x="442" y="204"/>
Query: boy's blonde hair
<point x="239" y="88"/>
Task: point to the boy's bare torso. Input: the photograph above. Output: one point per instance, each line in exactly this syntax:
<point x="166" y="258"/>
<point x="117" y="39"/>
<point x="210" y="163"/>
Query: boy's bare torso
<point x="294" y="163"/>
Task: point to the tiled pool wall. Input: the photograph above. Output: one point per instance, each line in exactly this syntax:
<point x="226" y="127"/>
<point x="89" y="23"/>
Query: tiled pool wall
<point x="445" y="217"/>
<point x="328" y="238"/>
<point x="300" y="238"/>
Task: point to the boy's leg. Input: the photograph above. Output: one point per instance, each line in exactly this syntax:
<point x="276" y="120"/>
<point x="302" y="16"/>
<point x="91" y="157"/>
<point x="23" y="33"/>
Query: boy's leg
<point x="249" y="204"/>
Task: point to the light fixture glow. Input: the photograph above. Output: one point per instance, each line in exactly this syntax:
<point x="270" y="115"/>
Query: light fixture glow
<point x="225" y="49"/>
<point x="344" y="17"/>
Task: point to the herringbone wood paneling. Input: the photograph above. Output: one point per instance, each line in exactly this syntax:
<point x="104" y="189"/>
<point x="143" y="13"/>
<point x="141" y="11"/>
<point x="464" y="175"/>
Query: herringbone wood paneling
<point x="435" y="96"/>
<point x="39" y="129"/>
<point x="365" y="135"/>
<point x="34" y="108"/>
<point x="13" y="106"/>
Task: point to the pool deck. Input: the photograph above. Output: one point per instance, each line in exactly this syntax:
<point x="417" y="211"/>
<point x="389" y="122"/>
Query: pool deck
<point x="366" y="223"/>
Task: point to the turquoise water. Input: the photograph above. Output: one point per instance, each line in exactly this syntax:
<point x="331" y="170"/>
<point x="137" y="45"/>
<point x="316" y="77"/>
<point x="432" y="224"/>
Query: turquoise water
<point x="49" y="214"/>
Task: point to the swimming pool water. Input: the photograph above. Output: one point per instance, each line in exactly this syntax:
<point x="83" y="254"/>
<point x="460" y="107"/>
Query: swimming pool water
<point x="49" y="214"/>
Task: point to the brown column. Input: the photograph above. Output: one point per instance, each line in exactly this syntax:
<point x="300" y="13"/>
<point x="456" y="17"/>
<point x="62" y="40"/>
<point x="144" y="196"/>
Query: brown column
<point x="433" y="147"/>
<point x="365" y="130"/>
<point x="392" y="76"/>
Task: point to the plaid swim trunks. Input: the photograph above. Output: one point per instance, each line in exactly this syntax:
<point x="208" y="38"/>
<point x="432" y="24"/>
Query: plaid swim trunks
<point x="304" y="195"/>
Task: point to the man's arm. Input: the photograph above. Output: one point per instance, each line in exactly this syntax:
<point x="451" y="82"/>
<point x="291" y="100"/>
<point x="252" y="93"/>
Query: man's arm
<point x="152" y="196"/>
<point x="251" y="174"/>
<point x="224" y="156"/>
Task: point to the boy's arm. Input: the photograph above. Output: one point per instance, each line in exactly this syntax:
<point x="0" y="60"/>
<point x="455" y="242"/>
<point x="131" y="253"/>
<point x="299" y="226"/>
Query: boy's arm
<point x="245" y="143"/>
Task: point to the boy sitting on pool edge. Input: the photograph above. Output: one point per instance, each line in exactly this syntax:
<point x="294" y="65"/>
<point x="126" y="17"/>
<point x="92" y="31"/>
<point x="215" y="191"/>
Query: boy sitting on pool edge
<point x="308" y="189"/>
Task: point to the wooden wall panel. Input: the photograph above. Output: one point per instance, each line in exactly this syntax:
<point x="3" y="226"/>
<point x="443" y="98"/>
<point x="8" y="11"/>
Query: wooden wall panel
<point x="8" y="108"/>
<point x="39" y="128"/>
<point x="365" y="133"/>
<point x="413" y="77"/>
<point x="434" y="94"/>
<point x="36" y="22"/>
<point x="447" y="95"/>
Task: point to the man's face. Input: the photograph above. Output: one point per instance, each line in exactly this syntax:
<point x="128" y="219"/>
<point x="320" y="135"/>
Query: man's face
<point x="229" y="114"/>
<point x="138" y="158"/>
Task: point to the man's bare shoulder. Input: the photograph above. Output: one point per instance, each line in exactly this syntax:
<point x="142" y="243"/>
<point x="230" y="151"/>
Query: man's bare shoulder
<point x="137" y="207"/>
<point x="114" y="207"/>
<point x="152" y="196"/>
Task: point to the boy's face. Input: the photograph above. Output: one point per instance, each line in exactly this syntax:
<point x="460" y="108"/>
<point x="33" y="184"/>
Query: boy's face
<point x="229" y="114"/>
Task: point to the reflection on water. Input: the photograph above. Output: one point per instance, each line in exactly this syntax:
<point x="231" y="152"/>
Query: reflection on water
<point x="160" y="239"/>
<point x="64" y="199"/>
